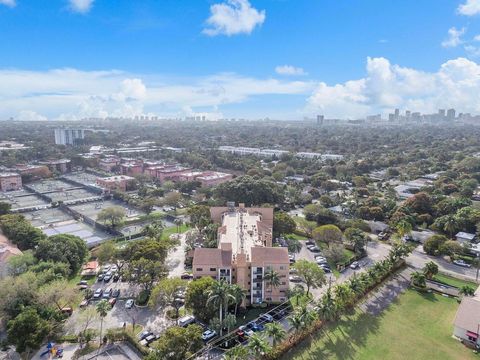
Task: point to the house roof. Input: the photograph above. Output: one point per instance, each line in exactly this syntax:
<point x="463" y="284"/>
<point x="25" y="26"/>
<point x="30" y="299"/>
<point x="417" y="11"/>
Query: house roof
<point x="468" y="314"/>
<point x="208" y="256"/>
<point x="269" y="255"/>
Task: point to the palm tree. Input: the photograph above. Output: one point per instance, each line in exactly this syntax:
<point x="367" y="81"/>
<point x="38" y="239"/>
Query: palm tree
<point x="430" y="270"/>
<point x="328" y="308"/>
<point x="178" y="223"/>
<point x="276" y="332"/>
<point x="355" y="283"/>
<point x="273" y="278"/>
<point x="237" y="353"/>
<point x="307" y="316"/>
<point x="257" y="344"/>
<point x="229" y="322"/>
<point x="102" y="308"/>
<point x="294" y="246"/>
<point x="296" y="322"/>
<point x="450" y="225"/>
<point x="239" y="294"/>
<point x="220" y="296"/>
<point x="466" y="290"/>
<point x="344" y="294"/>
<point x="418" y="279"/>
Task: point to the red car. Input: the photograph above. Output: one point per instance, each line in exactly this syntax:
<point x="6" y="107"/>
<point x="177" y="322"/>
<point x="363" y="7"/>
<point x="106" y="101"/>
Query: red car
<point x="112" y="301"/>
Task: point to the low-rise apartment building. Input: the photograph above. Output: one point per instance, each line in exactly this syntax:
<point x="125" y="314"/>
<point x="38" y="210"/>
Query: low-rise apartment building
<point x="245" y="253"/>
<point x="10" y="182"/>
<point x="115" y="183"/>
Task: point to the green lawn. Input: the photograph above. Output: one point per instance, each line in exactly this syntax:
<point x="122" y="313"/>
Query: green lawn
<point x="173" y="230"/>
<point x="414" y="327"/>
<point x="448" y="280"/>
<point x="296" y="237"/>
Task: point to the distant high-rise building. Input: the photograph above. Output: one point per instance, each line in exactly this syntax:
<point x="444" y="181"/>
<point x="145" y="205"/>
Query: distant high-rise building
<point x="451" y="114"/>
<point x="69" y="136"/>
<point x="441" y="113"/>
<point x="391" y="117"/>
<point x="407" y="114"/>
<point x="397" y="114"/>
<point x="320" y="119"/>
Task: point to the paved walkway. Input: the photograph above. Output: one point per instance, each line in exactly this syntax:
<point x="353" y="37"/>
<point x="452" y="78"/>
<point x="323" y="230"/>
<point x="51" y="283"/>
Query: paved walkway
<point x="387" y="293"/>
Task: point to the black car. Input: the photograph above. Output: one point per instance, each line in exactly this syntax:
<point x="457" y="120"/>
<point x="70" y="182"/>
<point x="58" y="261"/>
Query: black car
<point x="116" y="293"/>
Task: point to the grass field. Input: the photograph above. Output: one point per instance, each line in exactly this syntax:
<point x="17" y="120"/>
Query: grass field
<point x="173" y="230"/>
<point x="415" y="327"/>
<point x="448" y="280"/>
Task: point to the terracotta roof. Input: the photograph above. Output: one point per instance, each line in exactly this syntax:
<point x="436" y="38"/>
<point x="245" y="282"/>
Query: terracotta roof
<point x="468" y="314"/>
<point x="217" y="257"/>
<point x="269" y="255"/>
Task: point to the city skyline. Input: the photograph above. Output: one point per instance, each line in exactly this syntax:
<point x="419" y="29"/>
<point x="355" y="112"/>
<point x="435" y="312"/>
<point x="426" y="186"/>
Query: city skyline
<point x="236" y="59"/>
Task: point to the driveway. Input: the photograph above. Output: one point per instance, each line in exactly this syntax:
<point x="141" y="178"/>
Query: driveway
<point x="176" y="259"/>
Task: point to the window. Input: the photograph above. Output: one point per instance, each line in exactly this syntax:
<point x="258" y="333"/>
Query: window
<point x="284" y="283"/>
<point x="199" y="269"/>
<point x="282" y="267"/>
<point x="283" y="299"/>
<point x="213" y="269"/>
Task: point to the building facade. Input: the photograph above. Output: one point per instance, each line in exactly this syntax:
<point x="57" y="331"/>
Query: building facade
<point x="10" y="182"/>
<point x="69" y="136"/>
<point x="245" y="254"/>
<point x="115" y="183"/>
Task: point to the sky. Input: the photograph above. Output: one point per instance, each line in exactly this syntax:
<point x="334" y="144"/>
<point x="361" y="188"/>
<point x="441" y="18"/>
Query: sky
<point x="282" y="59"/>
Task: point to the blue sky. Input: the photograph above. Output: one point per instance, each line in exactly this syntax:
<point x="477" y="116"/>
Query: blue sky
<point x="125" y="57"/>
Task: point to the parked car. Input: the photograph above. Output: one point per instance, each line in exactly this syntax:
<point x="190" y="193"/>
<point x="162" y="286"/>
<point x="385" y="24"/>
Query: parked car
<point x="107" y="277"/>
<point x="107" y="293"/>
<point x="383" y="235"/>
<point x="83" y="282"/>
<point x="186" y="320"/>
<point x="112" y="301"/>
<point x="256" y="327"/>
<point x="129" y="304"/>
<point x="100" y="277"/>
<point x="295" y="278"/>
<point x="144" y="334"/>
<point x="98" y="294"/>
<point x="246" y="330"/>
<point x="267" y="318"/>
<point x="208" y="335"/>
<point x="462" y="263"/>
<point x="116" y="277"/>
<point x="186" y="276"/>
<point x="67" y="311"/>
<point x="325" y="268"/>
<point x="148" y="340"/>
<point x="116" y="293"/>
<point x="322" y="261"/>
<point x="84" y="303"/>
<point x="354" y="265"/>
<point x="310" y="242"/>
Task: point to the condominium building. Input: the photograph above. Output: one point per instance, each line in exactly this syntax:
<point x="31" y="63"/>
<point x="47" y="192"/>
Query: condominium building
<point x="245" y="253"/>
<point x="67" y="136"/>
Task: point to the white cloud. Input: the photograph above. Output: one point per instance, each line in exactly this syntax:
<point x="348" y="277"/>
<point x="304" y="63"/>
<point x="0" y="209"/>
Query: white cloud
<point x="454" y="37"/>
<point x="469" y="8"/>
<point x="81" y="6"/>
<point x="9" y="3"/>
<point x="476" y="38"/>
<point x="29" y="115"/>
<point x="289" y="70"/>
<point x="233" y="17"/>
<point x="386" y="86"/>
<point x="74" y="94"/>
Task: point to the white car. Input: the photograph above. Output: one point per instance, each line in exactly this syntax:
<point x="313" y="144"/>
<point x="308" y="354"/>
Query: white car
<point x="208" y="335"/>
<point x="354" y="265"/>
<point x="266" y="318"/>
<point x="129" y="304"/>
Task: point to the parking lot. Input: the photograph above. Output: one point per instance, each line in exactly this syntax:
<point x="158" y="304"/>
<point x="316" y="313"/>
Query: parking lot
<point x="92" y="209"/>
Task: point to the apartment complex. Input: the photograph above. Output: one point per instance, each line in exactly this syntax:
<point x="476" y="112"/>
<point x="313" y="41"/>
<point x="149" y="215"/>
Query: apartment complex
<point x="10" y="182"/>
<point x="112" y="183"/>
<point x="245" y="253"/>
